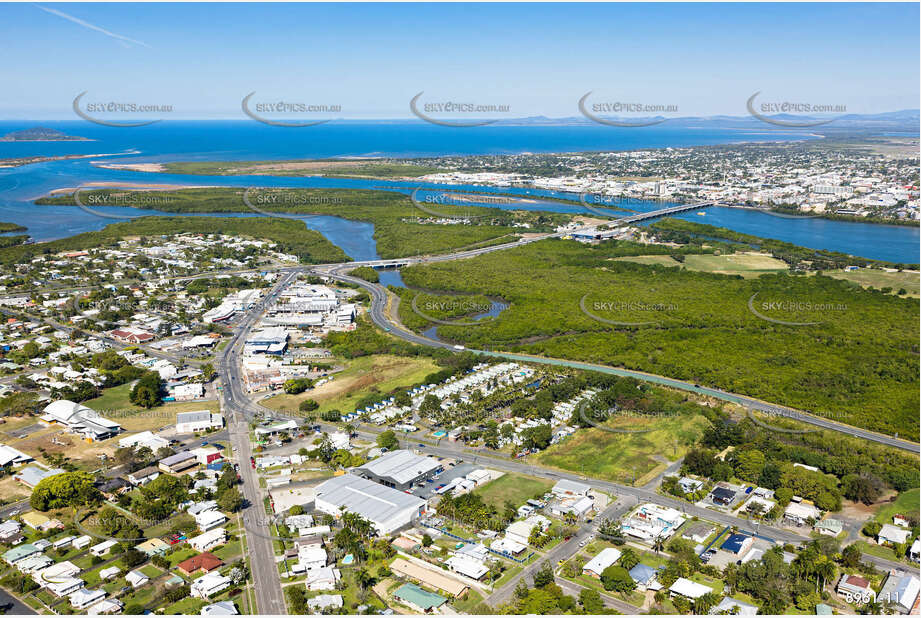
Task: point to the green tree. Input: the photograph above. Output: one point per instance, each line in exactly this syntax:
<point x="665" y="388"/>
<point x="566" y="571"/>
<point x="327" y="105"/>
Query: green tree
<point x="68" y="489"/>
<point x="617" y="578"/>
<point x="388" y="440"/>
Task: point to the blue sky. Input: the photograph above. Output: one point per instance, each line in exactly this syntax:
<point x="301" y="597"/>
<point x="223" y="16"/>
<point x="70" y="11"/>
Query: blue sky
<point x="537" y="58"/>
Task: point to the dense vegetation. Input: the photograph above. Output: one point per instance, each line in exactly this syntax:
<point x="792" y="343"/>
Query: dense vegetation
<point x="858" y="364"/>
<point x="11" y="227"/>
<point x="292" y="237"/>
<point x="393" y="215"/>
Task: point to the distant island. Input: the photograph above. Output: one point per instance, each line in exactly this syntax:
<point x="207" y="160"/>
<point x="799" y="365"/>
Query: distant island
<point x="41" y="134"/>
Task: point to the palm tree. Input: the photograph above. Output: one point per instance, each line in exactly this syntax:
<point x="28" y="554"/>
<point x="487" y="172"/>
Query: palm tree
<point x="658" y="544"/>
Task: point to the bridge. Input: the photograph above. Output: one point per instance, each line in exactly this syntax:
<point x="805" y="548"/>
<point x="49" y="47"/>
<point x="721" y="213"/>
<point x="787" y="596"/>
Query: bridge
<point x="664" y="212"/>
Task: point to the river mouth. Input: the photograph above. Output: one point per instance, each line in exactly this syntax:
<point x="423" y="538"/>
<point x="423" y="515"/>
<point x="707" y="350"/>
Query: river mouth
<point x="20" y="186"/>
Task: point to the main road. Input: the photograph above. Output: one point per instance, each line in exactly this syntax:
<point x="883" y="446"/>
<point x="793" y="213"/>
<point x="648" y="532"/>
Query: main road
<point x="266" y="580"/>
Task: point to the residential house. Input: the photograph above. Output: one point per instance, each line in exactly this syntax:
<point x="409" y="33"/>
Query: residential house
<point x="204" y="562"/>
<point x="323" y="578"/>
<point x="136" y="579"/>
<point x="688" y="589"/>
<point x="209" y="540"/>
<point x="900" y="592"/>
<point x="209" y="585"/>
<point x="894" y="535"/>
<point x="605" y="558"/>
<point x="855" y="589"/>
<point x="83" y="598"/>
<point x="419" y="600"/>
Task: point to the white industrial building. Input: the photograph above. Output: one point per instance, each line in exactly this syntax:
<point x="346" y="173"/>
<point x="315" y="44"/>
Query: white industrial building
<point x="201" y="420"/>
<point x="388" y="509"/>
<point x="400" y="469"/>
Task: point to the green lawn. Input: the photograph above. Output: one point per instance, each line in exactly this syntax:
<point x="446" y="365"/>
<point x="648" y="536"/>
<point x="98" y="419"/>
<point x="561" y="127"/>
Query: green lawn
<point x="514" y="488"/>
<point x="620" y="456"/>
<point x="872" y="278"/>
<point x="114" y="404"/>
<point x="187" y="606"/>
<point x="379" y="373"/>
<point x="907" y="503"/>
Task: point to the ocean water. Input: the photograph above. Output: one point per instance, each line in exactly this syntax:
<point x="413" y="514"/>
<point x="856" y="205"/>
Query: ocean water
<point x="233" y="140"/>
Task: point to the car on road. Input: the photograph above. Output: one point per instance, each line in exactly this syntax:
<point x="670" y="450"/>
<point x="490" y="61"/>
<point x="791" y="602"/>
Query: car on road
<point x="459" y="347"/>
<point x="582" y="543"/>
<point x="421" y="445"/>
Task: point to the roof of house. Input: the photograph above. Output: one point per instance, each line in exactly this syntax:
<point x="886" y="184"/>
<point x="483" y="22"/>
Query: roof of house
<point x="605" y="558"/>
<point x="205" y="561"/>
<point x="854" y="580"/>
<point x="894" y="533"/>
<point x="734" y="543"/>
<point x="732" y="606"/>
<point x="33" y="475"/>
<point x="689" y="589"/>
<point x="221" y="608"/>
<point x="145" y="472"/>
<point x="422" y="599"/>
<point x="642" y="573"/>
<point x="428" y="577"/>
<point x="20" y="551"/>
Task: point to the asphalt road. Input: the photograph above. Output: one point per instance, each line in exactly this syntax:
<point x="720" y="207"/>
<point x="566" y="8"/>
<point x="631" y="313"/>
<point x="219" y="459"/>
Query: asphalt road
<point x="266" y="581"/>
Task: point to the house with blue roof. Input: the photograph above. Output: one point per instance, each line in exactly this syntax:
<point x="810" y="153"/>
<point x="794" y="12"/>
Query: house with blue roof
<point x="738" y="544"/>
<point x="645" y="577"/>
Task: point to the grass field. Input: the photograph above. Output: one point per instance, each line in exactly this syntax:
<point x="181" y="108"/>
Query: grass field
<point x="114" y="405"/>
<point x="872" y="278"/>
<point x="744" y="264"/>
<point x="907" y="503"/>
<point x="661" y="260"/>
<point x="623" y="457"/>
<point x="514" y="488"/>
<point x="362" y="377"/>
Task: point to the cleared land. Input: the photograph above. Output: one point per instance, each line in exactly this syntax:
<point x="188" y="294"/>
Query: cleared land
<point x="744" y="264"/>
<point x="514" y="488"/>
<point x="879" y="279"/>
<point x="622" y="457"/>
<point x="362" y="377"/>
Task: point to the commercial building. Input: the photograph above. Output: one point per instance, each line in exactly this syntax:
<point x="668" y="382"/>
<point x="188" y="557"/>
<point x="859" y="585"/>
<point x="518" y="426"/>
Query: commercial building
<point x="386" y="508"/>
<point x="565" y="488"/>
<point x="201" y="420"/>
<point x="400" y="469"/>
<point x="80" y="420"/>
<point x="178" y="462"/>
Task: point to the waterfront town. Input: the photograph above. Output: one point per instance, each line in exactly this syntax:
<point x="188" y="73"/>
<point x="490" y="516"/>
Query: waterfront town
<point x="374" y="481"/>
<point x="801" y="178"/>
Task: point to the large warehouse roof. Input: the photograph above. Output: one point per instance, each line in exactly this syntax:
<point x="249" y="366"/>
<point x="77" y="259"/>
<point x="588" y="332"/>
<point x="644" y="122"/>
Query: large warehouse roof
<point x="400" y="467"/>
<point x="366" y="498"/>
